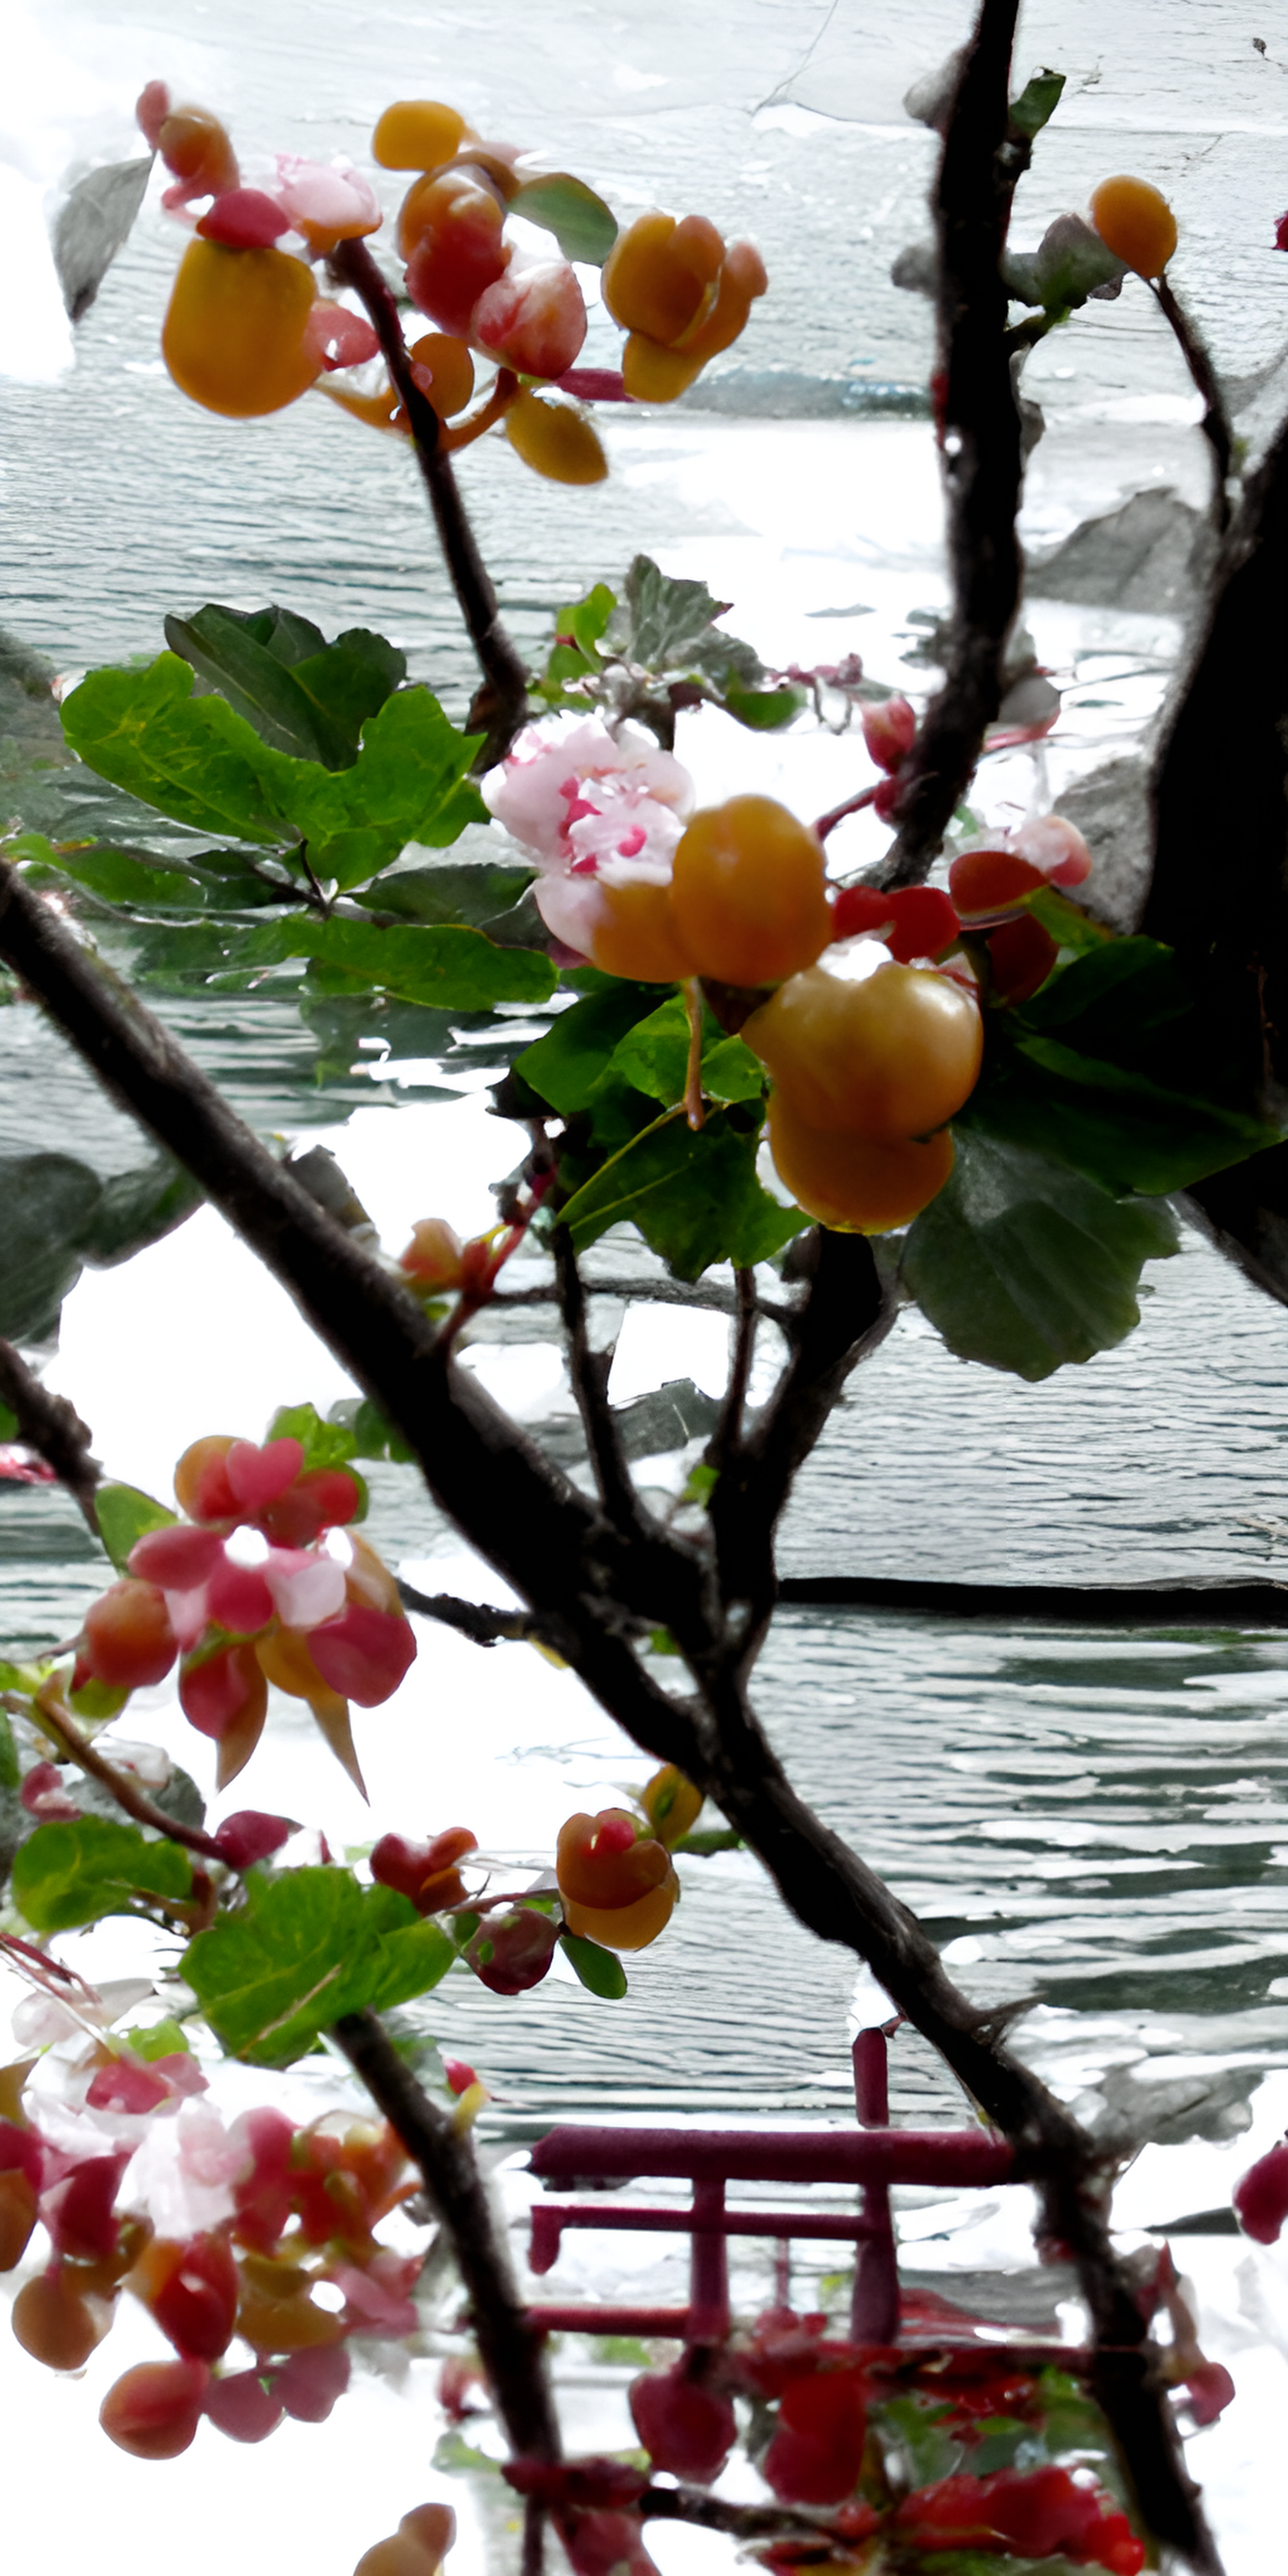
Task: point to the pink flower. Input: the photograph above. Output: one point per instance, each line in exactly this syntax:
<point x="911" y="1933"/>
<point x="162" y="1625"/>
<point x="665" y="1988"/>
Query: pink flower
<point x="595" y="810"/>
<point x="327" y="202"/>
<point x="534" y="319"/>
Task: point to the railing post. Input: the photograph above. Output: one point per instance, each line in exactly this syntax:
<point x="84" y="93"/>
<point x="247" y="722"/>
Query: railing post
<point x="709" y="2266"/>
<point x="874" y="2309"/>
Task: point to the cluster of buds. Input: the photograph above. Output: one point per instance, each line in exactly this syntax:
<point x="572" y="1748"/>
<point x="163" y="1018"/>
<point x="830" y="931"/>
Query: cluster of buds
<point x="219" y="2232"/>
<point x="247" y="1591"/>
<point x="247" y="332"/>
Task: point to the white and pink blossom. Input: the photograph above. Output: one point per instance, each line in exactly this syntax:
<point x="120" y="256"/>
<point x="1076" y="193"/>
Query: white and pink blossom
<point x="596" y="810"/>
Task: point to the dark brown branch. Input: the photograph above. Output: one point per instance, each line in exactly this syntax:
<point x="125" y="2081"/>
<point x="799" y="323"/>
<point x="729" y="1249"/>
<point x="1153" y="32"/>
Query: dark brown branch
<point x="718" y="2513"/>
<point x="589" y="1372"/>
<point x="499" y="706"/>
<point x="1215" y="423"/>
<point x="660" y="1291"/>
<point x="512" y="2355"/>
<point x="727" y="1436"/>
<point x="53" y="1428"/>
<point x="848" y="1313"/>
<point x="130" y="1798"/>
<point x="982" y="460"/>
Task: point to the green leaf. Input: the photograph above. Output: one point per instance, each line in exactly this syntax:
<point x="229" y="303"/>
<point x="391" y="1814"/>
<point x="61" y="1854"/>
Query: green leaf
<point x="1111" y="1068"/>
<point x="1037" y="102"/>
<point x="325" y="1444"/>
<point x="654" y="1058"/>
<point x="48" y="1201"/>
<point x="75" y="1873"/>
<point x="198" y="760"/>
<point x="584" y="227"/>
<point x="695" y="1197"/>
<point x="310" y="702"/>
<point x="127" y="878"/>
<point x="444" y="966"/>
<point x="762" y="710"/>
<point x="160" y="2039"/>
<point x="124" y="1516"/>
<point x="662" y="622"/>
<point x="600" y="1971"/>
<point x="139" y="1208"/>
<point x="10" y="1767"/>
<point x="564" y="1066"/>
<point x="1025" y="1265"/>
<point x="8" y="1423"/>
<point x="473" y="896"/>
<point x="1070" y="264"/>
<point x="585" y="622"/>
<point x="308" y="1946"/>
<point x="372" y="1436"/>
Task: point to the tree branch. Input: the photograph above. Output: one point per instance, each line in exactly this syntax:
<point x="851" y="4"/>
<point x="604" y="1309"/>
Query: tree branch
<point x="981" y="447"/>
<point x="53" y="1428"/>
<point x="512" y="2355"/>
<point x="132" y="1800"/>
<point x="483" y="1625"/>
<point x="846" y="1316"/>
<point x="589" y="1371"/>
<point x="726" y="1439"/>
<point x="500" y="704"/>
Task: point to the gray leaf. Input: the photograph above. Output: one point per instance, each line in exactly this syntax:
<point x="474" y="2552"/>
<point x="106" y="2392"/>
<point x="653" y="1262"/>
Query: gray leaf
<point x="94" y="224"/>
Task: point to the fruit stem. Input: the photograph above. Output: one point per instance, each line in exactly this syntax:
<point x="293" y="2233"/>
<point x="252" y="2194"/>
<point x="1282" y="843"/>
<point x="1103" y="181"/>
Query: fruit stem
<point x="501" y="703"/>
<point x="693" y="1105"/>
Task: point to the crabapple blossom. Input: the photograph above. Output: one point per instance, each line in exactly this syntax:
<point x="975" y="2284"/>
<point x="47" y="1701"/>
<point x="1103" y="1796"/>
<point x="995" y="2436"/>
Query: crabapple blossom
<point x="597" y="811"/>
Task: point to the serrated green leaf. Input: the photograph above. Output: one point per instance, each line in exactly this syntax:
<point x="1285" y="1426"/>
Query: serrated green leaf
<point x="76" y="1873"/>
<point x="662" y="622"/>
<point x="584" y="227"/>
<point x="694" y="1197"/>
<point x="309" y="1945"/>
<point x="584" y="622"/>
<point x="124" y="1517"/>
<point x="654" y="1058"/>
<point x="311" y="703"/>
<point x="1025" y="1265"/>
<point x="1037" y="102"/>
<point x="10" y="1767"/>
<point x="600" y="1970"/>
<point x="564" y="1066"/>
<point x="198" y="760"/>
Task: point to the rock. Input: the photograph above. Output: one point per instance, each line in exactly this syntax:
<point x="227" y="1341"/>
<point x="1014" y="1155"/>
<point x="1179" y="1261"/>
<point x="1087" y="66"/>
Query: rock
<point x="1151" y="554"/>
<point x="1111" y="809"/>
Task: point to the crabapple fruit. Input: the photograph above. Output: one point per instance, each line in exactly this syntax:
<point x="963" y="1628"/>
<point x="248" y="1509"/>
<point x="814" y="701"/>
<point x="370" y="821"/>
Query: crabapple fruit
<point x="748" y="892"/>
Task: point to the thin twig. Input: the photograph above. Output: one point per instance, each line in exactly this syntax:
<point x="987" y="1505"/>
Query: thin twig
<point x="512" y="2355"/>
<point x="130" y="1798"/>
<point x="1215" y="423"/>
<point x="728" y="1431"/>
<point x="500" y="704"/>
<point x="483" y="1625"/>
<point x="659" y="1291"/>
<point x="853" y="805"/>
<point x="53" y="1428"/>
<point x="589" y="1372"/>
<point x="693" y="1003"/>
<point x="980" y="443"/>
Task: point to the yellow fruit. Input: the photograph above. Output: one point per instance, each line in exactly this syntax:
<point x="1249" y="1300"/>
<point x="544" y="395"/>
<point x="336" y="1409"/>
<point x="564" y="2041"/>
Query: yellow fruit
<point x="1136" y="223"/>
<point x="233" y="338"/>
<point x="636" y="935"/>
<point x="748" y="891"/>
<point x="451" y="370"/>
<point x="416" y="134"/>
<point x="889" y="1058"/>
<point x="555" y="441"/>
<point x="851" y="1183"/>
